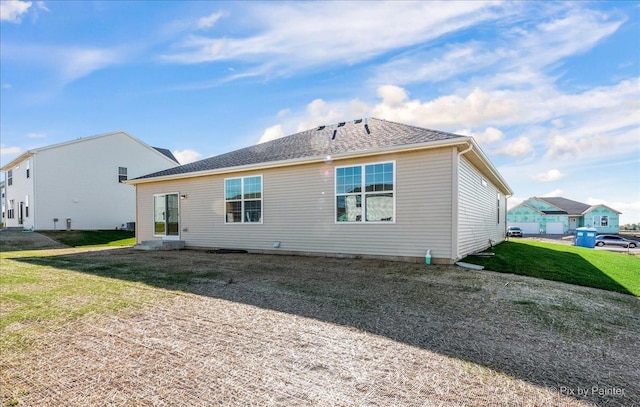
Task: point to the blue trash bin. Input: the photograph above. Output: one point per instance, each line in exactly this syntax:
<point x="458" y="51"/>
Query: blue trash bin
<point x="586" y="237"/>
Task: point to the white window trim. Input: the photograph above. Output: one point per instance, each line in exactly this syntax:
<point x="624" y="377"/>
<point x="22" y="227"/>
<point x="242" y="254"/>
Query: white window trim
<point x="153" y="217"/>
<point x="364" y="195"/>
<point x="242" y="200"/>
<point x="598" y="224"/>
<point x="121" y="174"/>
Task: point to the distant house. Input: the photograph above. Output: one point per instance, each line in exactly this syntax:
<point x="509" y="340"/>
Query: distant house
<point x="2" y="219"/>
<point x="561" y="215"/>
<point x="366" y="187"/>
<point x="79" y="184"/>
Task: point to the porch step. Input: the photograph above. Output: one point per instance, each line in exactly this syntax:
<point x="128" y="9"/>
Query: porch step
<point x="160" y="245"/>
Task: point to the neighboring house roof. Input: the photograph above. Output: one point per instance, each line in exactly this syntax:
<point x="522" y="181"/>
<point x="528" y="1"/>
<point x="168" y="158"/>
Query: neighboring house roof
<point x="566" y="205"/>
<point x="354" y="138"/>
<point x="592" y="207"/>
<point x="31" y="152"/>
<point x="167" y="153"/>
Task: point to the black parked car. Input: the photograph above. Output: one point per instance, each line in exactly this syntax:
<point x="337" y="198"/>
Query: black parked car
<point x="614" y="240"/>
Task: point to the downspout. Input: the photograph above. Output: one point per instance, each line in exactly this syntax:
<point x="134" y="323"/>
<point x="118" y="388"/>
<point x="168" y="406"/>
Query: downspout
<point x="455" y="206"/>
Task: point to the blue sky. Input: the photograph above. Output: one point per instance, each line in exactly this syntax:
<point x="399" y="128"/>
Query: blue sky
<point x="550" y="90"/>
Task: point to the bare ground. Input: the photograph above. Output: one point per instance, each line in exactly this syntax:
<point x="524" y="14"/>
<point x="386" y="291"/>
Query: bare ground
<point x="283" y="330"/>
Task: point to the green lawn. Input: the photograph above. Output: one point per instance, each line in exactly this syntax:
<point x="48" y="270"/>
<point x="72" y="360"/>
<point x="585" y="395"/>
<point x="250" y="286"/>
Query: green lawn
<point x="570" y="264"/>
<point x="85" y="238"/>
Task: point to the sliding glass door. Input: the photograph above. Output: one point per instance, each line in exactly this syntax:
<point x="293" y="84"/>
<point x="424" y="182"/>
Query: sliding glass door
<point x="166" y="215"/>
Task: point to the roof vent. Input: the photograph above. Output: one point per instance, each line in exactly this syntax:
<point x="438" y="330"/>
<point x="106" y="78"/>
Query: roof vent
<point x="366" y="126"/>
<point x="321" y="128"/>
<point x="357" y="121"/>
<point x="335" y="131"/>
<point x="341" y="124"/>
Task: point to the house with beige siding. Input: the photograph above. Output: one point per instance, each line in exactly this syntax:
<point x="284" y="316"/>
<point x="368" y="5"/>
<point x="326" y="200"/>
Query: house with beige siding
<point x="367" y="187"/>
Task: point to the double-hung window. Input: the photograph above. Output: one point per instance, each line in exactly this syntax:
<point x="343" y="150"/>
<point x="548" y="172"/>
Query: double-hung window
<point x="366" y="193"/>
<point x="243" y="199"/>
<point x="28" y="169"/>
<point x="11" y="211"/>
<point x="122" y="174"/>
<point x="9" y="177"/>
<point x="601" y="221"/>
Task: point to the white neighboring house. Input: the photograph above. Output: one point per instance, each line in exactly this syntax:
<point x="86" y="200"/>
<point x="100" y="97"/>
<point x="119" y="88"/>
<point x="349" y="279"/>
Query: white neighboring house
<point x="79" y="184"/>
<point x="2" y="203"/>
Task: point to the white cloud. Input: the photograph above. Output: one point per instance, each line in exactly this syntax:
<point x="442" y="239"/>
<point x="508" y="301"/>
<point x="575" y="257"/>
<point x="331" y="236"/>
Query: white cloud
<point x="490" y="135"/>
<point x="41" y="6"/>
<point x="187" y="156"/>
<point x="548" y="176"/>
<point x="446" y="112"/>
<point x="320" y="112"/>
<point x="554" y="193"/>
<point x="210" y="20"/>
<point x="514" y="201"/>
<point x="4" y="150"/>
<point x="67" y="63"/>
<point x="6" y="86"/>
<point x="13" y="10"/>
<point x="625" y="207"/>
<point x="518" y="55"/>
<point x="284" y="112"/>
<point x="81" y="62"/>
<point x="36" y="135"/>
<point x="290" y="36"/>
<point x="272" y="133"/>
<point x="517" y="148"/>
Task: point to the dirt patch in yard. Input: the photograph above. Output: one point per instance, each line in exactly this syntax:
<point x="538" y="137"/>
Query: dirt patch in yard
<point x="243" y="329"/>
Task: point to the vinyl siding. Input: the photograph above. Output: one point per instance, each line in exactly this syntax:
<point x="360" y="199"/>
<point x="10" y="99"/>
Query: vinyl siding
<point x="298" y="210"/>
<point x="477" y="216"/>
<point x="79" y="181"/>
<point x="592" y="218"/>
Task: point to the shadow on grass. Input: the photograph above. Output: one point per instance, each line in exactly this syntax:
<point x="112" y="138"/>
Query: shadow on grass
<point x="15" y="241"/>
<point x="455" y="313"/>
<point x="556" y="265"/>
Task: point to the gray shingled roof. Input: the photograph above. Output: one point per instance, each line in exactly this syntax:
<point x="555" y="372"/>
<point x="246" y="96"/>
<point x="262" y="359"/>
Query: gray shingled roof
<point x="567" y="205"/>
<point x="166" y="153"/>
<point x="350" y="137"/>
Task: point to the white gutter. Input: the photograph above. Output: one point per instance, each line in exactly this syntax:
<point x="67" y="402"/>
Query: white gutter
<point x="466" y="151"/>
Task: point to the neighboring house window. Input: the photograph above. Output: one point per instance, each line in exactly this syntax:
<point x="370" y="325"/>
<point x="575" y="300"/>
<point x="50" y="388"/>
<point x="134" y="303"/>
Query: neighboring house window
<point x="498" y="200"/>
<point x="26" y="206"/>
<point x="601" y="221"/>
<point x="11" y="210"/>
<point x="365" y="193"/>
<point x="28" y="169"/>
<point x="9" y="177"/>
<point x="243" y="199"/>
<point x="122" y="174"/>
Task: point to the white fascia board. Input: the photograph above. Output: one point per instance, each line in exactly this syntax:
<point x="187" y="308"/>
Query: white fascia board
<point x="79" y="140"/>
<point x="17" y="160"/>
<point x="306" y="160"/>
